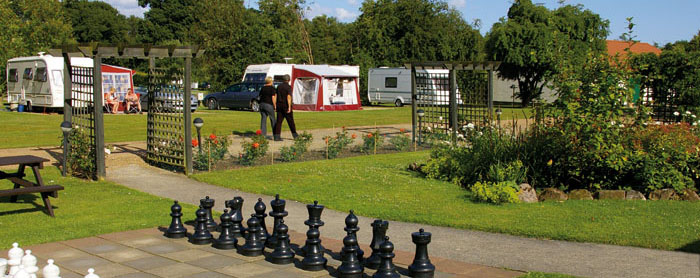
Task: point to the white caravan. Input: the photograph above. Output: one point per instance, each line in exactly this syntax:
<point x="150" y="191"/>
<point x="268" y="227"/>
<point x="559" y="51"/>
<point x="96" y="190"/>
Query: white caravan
<point x="38" y="81"/>
<point x="393" y="85"/>
<point x="258" y="73"/>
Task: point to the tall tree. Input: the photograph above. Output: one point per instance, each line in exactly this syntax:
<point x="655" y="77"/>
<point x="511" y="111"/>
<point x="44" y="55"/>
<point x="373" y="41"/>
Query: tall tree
<point x="288" y="16"/>
<point x="96" y="22"/>
<point x="169" y="20"/>
<point x="30" y="26"/>
<point x="529" y="41"/>
<point x="330" y="41"/>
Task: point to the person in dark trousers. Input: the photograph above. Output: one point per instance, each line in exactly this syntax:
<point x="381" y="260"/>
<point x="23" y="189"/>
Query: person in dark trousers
<point x="284" y="109"/>
<point x="268" y="99"/>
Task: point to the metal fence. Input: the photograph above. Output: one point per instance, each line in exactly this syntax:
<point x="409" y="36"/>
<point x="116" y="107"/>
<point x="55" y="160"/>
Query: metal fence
<point x="661" y="104"/>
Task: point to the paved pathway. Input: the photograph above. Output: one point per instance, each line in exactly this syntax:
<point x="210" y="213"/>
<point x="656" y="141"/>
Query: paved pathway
<point x="480" y="248"/>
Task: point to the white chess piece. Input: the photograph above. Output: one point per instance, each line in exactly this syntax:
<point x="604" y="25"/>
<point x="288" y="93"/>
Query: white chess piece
<point x="21" y="273"/>
<point x="29" y="263"/>
<point x="51" y="270"/>
<point x="3" y="267"/>
<point x="91" y="274"/>
<point x="14" y="258"/>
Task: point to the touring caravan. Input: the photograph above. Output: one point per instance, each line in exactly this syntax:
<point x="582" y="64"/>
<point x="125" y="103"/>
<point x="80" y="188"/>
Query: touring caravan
<point x="258" y="73"/>
<point x="393" y="85"/>
<point x="38" y="81"/>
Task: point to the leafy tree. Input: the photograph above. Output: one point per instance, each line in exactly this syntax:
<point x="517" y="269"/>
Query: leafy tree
<point x="330" y="40"/>
<point x="529" y="39"/>
<point x="287" y="17"/>
<point x="96" y="22"/>
<point x="30" y="26"/>
<point x="169" y="20"/>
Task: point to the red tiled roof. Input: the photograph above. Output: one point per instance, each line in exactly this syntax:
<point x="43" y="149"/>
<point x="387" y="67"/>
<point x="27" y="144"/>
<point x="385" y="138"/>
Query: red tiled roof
<point x="615" y="47"/>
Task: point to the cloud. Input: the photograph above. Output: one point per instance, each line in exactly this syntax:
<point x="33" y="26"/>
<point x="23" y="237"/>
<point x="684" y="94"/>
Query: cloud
<point x="345" y="15"/>
<point x="316" y="10"/>
<point x="459" y="4"/>
<point x="127" y="7"/>
<point x="352" y="2"/>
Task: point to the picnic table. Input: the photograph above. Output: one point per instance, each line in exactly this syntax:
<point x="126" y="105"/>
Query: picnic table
<point x="23" y="186"/>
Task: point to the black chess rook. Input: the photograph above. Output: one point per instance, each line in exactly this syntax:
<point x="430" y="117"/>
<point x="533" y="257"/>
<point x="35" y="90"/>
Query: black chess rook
<point x="283" y="253"/>
<point x="421" y="266"/>
<point x="350" y="266"/>
<point x="176" y="229"/>
<point x="226" y="240"/>
<point x="379" y="229"/>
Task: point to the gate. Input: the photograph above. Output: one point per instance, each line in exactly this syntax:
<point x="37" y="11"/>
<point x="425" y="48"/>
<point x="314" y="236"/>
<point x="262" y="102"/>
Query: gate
<point x="166" y="119"/>
<point x="441" y="107"/>
<point x="82" y="109"/>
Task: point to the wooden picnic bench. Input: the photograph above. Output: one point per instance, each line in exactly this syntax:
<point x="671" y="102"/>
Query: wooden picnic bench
<point x="23" y="186"/>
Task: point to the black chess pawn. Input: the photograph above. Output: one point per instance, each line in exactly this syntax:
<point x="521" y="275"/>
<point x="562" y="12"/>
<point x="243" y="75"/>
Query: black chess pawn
<point x="176" y="229"/>
<point x="386" y="268"/>
<point x="253" y="246"/>
<point x="351" y="227"/>
<point x="379" y="229"/>
<point x="201" y="234"/>
<point x="208" y="204"/>
<point x="350" y="266"/>
<point x="314" y="259"/>
<point x="314" y="221"/>
<point x="260" y="214"/>
<point x="283" y="253"/>
<point x="278" y="213"/>
<point x="236" y="206"/>
<point x="226" y="240"/>
<point x="421" y="266"/>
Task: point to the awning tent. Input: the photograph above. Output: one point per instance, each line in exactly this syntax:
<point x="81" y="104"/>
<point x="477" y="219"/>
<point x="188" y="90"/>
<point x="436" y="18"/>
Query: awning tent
<point x="325" y="87"/>
<point x="119" y="78"/>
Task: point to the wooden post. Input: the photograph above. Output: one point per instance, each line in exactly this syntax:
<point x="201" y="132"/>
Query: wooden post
<point x="186" y="108"/>
<point x="99" y="117"/>
<point x="209" y="154"/>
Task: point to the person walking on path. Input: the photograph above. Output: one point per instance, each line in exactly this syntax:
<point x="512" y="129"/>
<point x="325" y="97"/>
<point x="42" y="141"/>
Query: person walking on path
<point x="268" y="99"/>
<point x="284" y="109"/>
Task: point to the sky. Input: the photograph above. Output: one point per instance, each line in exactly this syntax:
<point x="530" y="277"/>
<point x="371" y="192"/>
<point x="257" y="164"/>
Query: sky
<point x="656" y="21"/>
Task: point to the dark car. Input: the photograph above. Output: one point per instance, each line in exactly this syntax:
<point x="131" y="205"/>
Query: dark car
<point x="167" y="100"/>
<point x="241" y="95"/>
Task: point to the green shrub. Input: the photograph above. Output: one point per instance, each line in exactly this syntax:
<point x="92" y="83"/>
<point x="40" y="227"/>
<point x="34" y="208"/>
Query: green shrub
<point x="336" y="144"/>
<point x="496" y="192"/>
<point x="514" y="171"/>
<point x="296" y="150"/>
<point x="371" y="142"/>
<point x="214" y="148"/>
<point x="401" y="142"/>
<point x="81" y="161"/>
<point x="254" y="149"/>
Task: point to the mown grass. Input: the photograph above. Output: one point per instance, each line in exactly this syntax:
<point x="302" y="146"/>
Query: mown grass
<point x="83" y="209"/>
<point x="35" y="129"/>
<point x="380" y="186"/>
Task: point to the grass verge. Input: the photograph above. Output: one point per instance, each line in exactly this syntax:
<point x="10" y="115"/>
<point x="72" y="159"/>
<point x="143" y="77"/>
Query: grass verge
<point x="379" y="186"/>
<point x="83" y="209"/>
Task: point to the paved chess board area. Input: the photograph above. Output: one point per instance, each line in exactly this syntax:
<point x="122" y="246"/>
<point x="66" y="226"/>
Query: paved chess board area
<point x="147" y="253"/>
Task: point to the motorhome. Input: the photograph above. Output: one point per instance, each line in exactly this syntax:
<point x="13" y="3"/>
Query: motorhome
<point x="38" y="81"/>
<point x="393" y="85"/>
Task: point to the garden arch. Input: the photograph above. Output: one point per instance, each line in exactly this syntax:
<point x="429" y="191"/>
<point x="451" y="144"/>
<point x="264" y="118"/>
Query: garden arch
<point x="169" y="129"/>
<point x="444" y="108"/>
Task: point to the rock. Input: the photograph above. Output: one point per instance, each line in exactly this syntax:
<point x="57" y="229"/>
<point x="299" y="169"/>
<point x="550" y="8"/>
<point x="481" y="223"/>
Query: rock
<point x="690" y="195"/>
<point x="663" y="194"/>
<point x="527" y="194"/>
<point x="580" y="194"/>
<point x="634" y="195"/>
<point x="552" y="194"/>
<point x="611" y="194"/>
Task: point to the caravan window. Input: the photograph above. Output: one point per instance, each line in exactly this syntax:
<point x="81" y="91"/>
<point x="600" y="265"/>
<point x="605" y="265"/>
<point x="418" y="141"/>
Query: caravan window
<point x="390" y="82"/>
<point x="57" y="77"/>
<point x="278" y="78"/>
<point x="255" y="78"/>
<point x="13" y="75"/>
<point x="28" y="74"/>
<point x="40" y="75"/>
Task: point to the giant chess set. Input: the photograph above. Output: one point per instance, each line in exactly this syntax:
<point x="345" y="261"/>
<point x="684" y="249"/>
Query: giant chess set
<point x="252" y="239"/>
<point x="22" y="264"/>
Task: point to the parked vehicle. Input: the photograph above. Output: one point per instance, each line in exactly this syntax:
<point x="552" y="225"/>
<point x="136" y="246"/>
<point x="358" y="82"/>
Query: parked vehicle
<point x="258" y="73"/>
<point x="38" y="81"/>
<point x="393" y="85"/>
<point x="241" y="95"/>
<point x="167" y="100"/>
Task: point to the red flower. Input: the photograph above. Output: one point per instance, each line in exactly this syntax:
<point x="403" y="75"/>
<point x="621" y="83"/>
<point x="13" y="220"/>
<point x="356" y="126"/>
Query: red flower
<point x="258" y="132"/>
<point x="195" y="143"/>
<point x="402" y="130"/>
<point x="369" y="135"/>
<point x="327" y="139"/>
<point x="212" y="136"/>
<point x="256" y="145"/>
<point x="295" y="153"/>
<point x="354" y="136"/>
<point x="216" y="141"/>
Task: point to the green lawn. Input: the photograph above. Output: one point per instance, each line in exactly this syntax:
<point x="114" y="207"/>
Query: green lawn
<point x="83" y="209"/>
<point x="379" y="186"/>
<point x="35" y="129"/>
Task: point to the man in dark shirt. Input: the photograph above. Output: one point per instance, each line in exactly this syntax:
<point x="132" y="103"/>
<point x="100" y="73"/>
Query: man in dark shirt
<point x="284" y="109"/>
<point x="267" y="105"/>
